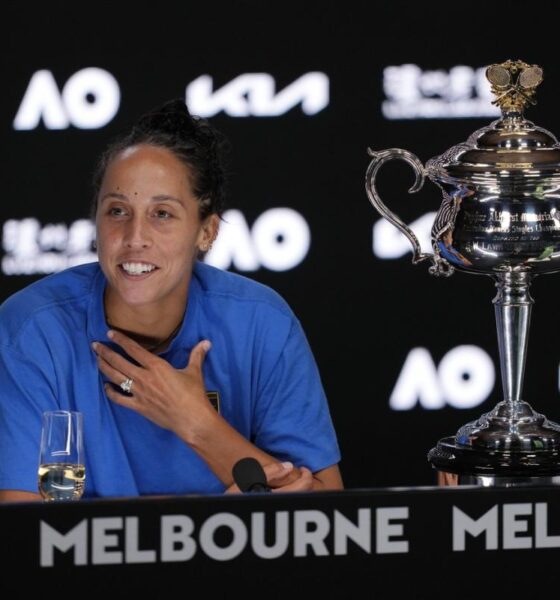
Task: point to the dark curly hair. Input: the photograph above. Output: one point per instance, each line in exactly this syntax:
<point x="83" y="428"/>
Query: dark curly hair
<point x="193" y="140"/>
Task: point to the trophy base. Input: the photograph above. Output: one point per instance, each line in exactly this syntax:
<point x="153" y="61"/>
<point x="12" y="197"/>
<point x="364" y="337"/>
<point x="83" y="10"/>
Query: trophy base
<point x="511" y="427"/>
<point x="464" y="465"/>
<point x="508" y="446"/>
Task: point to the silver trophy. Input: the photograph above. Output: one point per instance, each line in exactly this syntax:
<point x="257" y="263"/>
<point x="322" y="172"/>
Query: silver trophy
<point x="500" y="216"/>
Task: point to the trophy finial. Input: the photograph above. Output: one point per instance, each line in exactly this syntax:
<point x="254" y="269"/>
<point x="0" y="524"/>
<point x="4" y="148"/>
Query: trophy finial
<point x="514" y="83"/>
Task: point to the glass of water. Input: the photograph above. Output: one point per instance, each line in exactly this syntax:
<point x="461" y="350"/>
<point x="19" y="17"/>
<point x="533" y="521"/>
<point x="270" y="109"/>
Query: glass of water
<point x="62" y="472"/>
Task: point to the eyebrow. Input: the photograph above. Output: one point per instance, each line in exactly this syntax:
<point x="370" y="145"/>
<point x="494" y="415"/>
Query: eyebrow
<point x="158" y="198"/>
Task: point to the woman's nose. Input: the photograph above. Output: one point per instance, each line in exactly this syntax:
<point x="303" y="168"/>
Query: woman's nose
<point x="137" y="234"/>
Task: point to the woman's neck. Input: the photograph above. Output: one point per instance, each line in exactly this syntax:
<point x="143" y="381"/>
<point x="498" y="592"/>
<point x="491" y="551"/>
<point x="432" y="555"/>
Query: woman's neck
<point x="152" y="327"/>
<point x="149" y="342"/>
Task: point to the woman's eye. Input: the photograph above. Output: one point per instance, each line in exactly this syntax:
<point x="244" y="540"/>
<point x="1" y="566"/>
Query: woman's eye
<point x="117" y="211"/>
<point x="163" y="214"/>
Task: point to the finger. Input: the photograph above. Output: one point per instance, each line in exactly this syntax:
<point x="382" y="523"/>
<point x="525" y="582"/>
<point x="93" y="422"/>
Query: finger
<point x="232" y="489"/>
<point x="198" y="354"/>
<point x="112" y="374"/>
<point x="132" y="348"/>
<point x="277" y="471"/>
<point x="303" y="484"/>
<point x="115" y="360"/>
<point x="117" y="398"/>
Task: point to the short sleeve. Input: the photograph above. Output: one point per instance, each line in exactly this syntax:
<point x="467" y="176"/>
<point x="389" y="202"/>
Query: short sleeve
<point x="25" y="392"/>
<point x="293" y="421"/>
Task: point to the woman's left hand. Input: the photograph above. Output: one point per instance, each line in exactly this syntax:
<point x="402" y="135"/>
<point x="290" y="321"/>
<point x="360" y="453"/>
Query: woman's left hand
<point x="283" y="477"/>
<point x="171" y="398"/>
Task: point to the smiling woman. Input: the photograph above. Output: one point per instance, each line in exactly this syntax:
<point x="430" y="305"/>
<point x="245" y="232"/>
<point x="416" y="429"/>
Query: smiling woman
<point x="179" y="369"/>
<point x="148" y="240"/>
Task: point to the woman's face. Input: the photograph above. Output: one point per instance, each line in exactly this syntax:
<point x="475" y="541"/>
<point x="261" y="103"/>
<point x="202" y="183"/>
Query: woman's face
<point x="148" y="227"/>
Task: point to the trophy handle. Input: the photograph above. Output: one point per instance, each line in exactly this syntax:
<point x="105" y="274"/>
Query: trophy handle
<point x="379" y="158"/>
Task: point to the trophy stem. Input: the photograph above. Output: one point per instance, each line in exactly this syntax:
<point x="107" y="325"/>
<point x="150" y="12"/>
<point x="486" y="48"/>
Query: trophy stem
<point x="512" y="306"/>
<point x="512" y="444"/>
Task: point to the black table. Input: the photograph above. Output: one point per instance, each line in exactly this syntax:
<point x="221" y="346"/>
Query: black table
<point x="465" y="542"/>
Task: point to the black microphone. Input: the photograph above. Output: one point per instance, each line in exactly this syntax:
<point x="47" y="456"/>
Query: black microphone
<point x="249" y="475"/>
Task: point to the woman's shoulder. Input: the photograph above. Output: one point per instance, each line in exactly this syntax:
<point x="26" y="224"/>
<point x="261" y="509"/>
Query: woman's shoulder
<point x="230" y="286"/>
<point x="48" y="295"/>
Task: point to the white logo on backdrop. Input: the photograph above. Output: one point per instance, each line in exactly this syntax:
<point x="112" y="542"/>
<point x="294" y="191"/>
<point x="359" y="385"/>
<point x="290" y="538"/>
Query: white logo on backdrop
<point x="88" y="100"/>
<point x="255" y="95"/>
<point x="34" y="249"/>
<point x="413" y="93"/>
<point x="279" y="240"/>
<point x="464" y="378"/>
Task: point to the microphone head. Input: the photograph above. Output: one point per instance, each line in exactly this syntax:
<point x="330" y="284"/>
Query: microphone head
<point x="249" y="475"/>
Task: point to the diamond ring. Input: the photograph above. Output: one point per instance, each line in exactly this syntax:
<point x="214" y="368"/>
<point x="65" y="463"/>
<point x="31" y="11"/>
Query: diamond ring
<point x="126" y="385"/>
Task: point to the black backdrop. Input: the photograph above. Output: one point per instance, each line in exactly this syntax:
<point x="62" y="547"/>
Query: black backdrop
<point x="363" y="314"/>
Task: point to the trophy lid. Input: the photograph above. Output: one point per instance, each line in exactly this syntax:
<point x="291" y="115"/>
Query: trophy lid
<point x="511" y="148"/>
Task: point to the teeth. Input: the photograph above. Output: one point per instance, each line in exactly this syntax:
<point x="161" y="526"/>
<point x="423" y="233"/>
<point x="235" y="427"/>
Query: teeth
<point x="137" y="268"/>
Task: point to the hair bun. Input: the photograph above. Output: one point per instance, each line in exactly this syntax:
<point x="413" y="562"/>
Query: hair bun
<point x="173" y="118"/>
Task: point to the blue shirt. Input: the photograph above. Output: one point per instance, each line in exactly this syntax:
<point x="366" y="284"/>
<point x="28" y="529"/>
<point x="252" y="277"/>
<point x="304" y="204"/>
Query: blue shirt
<point x="260" y="364"/>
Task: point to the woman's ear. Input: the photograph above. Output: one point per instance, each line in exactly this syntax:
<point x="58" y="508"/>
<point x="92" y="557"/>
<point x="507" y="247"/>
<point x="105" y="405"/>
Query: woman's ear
<point x="209" y="232"/>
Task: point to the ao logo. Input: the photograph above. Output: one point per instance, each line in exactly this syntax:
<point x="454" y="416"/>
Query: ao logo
<point x="254" y="95"/>
<point x="279" y="240"/>
<point x="464" y="379"/>
<point x="89" y="100"/>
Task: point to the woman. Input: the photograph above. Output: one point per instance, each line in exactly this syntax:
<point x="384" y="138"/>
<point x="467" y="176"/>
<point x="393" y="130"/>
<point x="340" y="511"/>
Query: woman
<point x="142" y="341"/>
